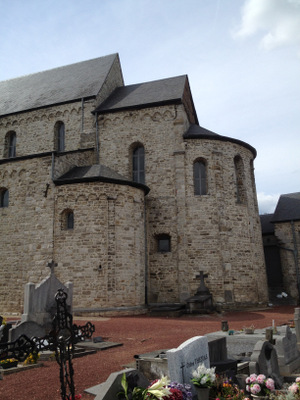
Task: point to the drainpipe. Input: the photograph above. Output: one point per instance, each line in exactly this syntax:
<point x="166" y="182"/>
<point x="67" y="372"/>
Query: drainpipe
<point x="296" y="258"/>
<point x="97" y="139"/>
<point x="146" y="255"/>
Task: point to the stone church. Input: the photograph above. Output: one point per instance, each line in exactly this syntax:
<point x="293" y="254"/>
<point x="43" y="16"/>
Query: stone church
<point x="122" y="188"/>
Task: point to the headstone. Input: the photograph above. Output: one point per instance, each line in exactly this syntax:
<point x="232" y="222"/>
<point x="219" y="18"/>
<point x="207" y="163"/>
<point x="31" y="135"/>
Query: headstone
<point x="109" y="390"/>
<point x="183" y="360"/>
<point x="287" y="351"/>
<point x="297" y="325"/>
<point x="40" y="306"/>
<point x="264" y="361"/>
<point x="202" y="301"/>
<point x="219" y="359"/>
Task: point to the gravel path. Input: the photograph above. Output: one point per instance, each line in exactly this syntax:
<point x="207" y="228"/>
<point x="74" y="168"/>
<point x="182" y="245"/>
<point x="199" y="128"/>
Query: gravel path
<point x="139" y="335"/>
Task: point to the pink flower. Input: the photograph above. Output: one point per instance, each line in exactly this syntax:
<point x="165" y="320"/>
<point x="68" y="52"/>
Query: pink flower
<point x="293" y="388"/>
<point x="253" y="378"/>
<point x="248" y="379"/>
<point x="261" y="378"/>
<point x="270" y="384"/>
<point x="298" y="379"/>
<point x="255" y="388"/>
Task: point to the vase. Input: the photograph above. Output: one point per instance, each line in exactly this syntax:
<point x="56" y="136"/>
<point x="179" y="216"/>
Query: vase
<point x="202" y="393"/>
<point x="11" y="364"/>
<point x="256" y="397"/>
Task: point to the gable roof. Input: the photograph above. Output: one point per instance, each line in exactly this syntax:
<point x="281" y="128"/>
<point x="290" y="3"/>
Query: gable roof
<point x="198" y="132"/>
<point x="288" y="208"/>
<point x="55" y="86"/>
<point x="143" y="94"/>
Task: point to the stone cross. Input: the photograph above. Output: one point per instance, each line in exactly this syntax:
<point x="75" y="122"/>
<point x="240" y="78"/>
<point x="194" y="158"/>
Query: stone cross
<point x="52" y="265"/>
<point x="202" y="288"/>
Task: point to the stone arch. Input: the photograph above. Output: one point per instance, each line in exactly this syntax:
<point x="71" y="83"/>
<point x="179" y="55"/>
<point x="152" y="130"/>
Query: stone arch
<point x="157" y="116"/>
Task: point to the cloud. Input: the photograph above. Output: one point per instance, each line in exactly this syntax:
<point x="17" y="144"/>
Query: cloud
<point x="267" y="202"/>
<point x="278" y="21"/>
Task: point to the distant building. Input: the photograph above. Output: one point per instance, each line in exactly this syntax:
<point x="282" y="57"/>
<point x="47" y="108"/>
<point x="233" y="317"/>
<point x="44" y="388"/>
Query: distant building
<point x="281" y="238"/>
<point x="125" y="191"/>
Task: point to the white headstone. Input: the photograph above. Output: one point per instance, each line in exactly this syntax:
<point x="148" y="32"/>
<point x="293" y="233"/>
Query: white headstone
<point x="287" y="351"/>
<point x="183" y="360"/>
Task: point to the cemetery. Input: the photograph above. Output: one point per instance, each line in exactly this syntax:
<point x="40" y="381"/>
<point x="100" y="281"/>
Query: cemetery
<point x="224" y="363"/>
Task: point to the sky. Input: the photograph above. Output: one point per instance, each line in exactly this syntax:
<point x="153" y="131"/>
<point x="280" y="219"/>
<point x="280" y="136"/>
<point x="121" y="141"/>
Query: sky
<point x="242" y="58"/>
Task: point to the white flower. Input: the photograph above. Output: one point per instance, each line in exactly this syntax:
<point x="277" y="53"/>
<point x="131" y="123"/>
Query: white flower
<point x="159" y="388"/>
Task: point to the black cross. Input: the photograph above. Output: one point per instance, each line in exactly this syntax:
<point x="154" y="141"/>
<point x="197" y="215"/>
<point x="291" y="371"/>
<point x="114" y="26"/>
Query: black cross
<point x="62" y="339"/>
<point x="202" y="288"/>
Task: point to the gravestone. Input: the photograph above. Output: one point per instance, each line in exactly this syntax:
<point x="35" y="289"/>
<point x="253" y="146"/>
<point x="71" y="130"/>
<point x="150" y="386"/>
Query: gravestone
<point x="219" y="359"/>
<point x="264" y="361"/>
<point x="287" y="351"/>
<point x="297" y="325"/>
<point x="202" y="301"/>
<point x="109" y="389"/>
<point x="40" y="306"/>
<point x="183" y="360"/>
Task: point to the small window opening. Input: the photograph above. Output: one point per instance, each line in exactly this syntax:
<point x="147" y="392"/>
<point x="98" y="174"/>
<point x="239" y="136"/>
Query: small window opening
<point x="163" y="243"/>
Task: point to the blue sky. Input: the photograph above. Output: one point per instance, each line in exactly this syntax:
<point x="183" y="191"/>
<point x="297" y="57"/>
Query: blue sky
<point x="242" y="58"/>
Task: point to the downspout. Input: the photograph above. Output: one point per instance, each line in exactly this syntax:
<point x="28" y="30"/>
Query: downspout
<point x="97" y="139"/>
<point x="146" y="255"/>
<point x="296" y="258"/>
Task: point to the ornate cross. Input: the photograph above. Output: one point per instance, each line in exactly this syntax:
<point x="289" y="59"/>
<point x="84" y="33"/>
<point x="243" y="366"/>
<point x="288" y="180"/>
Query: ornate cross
<point x="62" y="339"/>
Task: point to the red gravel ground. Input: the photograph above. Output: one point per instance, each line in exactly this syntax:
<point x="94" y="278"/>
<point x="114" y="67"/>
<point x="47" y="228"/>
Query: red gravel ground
<point x="139" y="335"/>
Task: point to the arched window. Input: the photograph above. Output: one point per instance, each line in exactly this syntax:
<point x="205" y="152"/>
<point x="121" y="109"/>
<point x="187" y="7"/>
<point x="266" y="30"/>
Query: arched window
<point x="239" y="179"/>
<point x="138" y="164"/>
<point x="67" y="220"/>
<point x="4" y="198"/>
<point x="200" y="181"/>
<point x="10" y="144"/>
<point x="60" y="136"/>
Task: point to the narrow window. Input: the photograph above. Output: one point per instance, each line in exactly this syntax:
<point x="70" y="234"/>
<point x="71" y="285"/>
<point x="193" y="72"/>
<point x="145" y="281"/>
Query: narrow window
<point x="239" y="180"/>
<point x="138" y="165"/>
<point x="70" y="220"/>
<point x="163" y="243"/>
<point x="4" y="198"/>
<point x="200" y="185"/>
<point x="60" y="136"/>
<point x="10" y="144"/>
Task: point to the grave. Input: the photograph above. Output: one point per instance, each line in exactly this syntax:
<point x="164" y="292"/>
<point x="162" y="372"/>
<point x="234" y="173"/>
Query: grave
<point x="183" y="360"/>
<point x="264" y="361"/>
<point x="287" y="351"/>
<point x="40" y="306"/>
<point x="202" y="301"/>
<point x="109" y="389"/>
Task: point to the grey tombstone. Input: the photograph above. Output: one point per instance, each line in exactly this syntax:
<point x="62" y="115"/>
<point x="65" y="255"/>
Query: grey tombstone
<point x="112" y="386"/>
<point x="297" y="325"/>
<point x="287" y="351"/>
<point x="183" y="360"/>
<point x="264" y="361"/>
<point x="40" y="306"/>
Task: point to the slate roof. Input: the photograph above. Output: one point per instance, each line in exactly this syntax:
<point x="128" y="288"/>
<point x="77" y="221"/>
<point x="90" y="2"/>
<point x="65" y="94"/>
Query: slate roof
<point x="59" y="85"/>
<point x="149" y="93"/>
<point x="266" y="226"/>
<point x="97" y="172"/>
<point x="198" y="132"/>
<point x="288" y="208"/>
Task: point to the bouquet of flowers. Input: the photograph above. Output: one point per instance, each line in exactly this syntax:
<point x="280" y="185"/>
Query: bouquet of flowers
<point x="204" y="377"/>
<point x="295" y="387"/>
<point x="259" y="385"/>
<point x="225" y="389"/>
<point x="161" y="389"/>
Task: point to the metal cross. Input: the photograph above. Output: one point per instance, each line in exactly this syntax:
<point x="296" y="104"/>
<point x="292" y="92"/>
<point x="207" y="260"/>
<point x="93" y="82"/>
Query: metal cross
<point x="52" y="265"/>
<point x="61" y="340"/>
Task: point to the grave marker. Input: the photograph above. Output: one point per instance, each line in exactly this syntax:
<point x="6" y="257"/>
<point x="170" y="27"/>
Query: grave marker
<point x="287" y="351"/>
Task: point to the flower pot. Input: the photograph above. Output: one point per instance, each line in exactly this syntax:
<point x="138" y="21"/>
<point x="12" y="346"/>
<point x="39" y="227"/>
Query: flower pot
<point x="202" y="393"/>
<point x="256" y="397"/>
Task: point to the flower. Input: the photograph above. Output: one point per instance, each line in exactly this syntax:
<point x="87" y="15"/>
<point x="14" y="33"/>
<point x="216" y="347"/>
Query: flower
<point x="159" y="388"/>
<point x="203" y="377"/>
<point x="225" y="389"/>
<point x="259" y="385"/>
<point x="295" y="387"/>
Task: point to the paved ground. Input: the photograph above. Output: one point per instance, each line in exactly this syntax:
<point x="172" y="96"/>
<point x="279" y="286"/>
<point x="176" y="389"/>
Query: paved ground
<point x="139" y="335"/>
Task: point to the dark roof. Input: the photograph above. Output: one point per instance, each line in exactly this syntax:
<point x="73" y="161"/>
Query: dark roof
<point x="198" y="132"/>
<point x="266" y="226"/>
<point x="98" y="172"/>
<point x="68" y="83"/>
<point x="149" y="93"/>
<point x="288" y="208"/>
